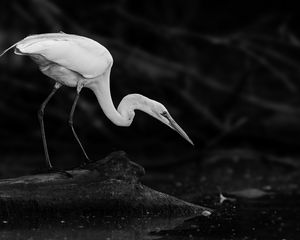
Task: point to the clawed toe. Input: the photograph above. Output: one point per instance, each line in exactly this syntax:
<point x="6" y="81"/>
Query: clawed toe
<point x="65" y="173"/>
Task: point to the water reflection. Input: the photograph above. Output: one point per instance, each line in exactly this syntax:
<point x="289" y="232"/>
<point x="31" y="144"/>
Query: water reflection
<point x="91" y="227"/>
<point x="270" y="217"/>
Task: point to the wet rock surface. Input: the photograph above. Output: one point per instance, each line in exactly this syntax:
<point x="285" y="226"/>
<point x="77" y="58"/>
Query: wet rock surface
<point x="108" y="186"/>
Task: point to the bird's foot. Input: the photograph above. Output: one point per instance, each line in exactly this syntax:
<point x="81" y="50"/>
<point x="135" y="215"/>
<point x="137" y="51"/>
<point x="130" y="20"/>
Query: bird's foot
<point x="62" y="172"/>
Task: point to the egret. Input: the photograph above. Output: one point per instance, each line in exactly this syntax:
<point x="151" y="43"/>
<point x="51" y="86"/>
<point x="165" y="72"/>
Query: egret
<point x="77" y="61"/>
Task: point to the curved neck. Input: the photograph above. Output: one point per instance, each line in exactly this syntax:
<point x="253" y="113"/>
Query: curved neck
<point x="101" y="88"/>
<point x="125" y="113"/>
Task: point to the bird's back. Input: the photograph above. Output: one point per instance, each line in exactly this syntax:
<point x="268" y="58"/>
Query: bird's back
<point x="80" y="54"/>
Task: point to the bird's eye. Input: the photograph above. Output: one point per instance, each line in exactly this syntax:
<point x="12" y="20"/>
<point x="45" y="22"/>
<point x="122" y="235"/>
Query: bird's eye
<point x="164" y="113"/>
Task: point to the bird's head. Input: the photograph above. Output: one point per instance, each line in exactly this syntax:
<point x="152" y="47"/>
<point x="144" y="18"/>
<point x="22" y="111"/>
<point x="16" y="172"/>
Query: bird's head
<point x="161" y="113"/>
<point x="133" y="102"/>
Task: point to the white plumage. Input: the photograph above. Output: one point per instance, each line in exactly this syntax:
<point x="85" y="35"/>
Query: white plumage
<point x="79" y="54"/>
<point x="77" y="61"/>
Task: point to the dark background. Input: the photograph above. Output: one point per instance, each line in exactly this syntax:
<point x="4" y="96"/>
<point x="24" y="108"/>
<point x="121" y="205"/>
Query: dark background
<point x="228" y="73"/>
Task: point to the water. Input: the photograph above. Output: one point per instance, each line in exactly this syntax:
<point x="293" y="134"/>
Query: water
<point x="273" y="217"/>
<point x="270" y="217"/>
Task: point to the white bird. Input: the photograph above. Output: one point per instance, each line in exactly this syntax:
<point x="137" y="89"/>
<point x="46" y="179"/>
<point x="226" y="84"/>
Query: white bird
<point x="77" y="61"/>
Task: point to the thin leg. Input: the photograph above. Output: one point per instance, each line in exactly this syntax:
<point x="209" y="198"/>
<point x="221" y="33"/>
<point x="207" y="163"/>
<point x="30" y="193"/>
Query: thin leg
<point x="41" y="120"/>
<point x="71" y="125"/>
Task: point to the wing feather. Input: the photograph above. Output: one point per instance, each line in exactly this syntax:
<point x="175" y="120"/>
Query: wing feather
<point x="80" y="54"/>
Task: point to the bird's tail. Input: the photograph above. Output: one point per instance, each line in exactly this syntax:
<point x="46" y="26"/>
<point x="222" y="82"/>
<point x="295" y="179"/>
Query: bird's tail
<point x="6" y="50"/>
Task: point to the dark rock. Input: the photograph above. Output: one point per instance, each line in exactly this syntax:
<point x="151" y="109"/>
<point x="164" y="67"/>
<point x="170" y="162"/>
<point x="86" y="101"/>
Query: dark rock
<point x="108" y="186"/>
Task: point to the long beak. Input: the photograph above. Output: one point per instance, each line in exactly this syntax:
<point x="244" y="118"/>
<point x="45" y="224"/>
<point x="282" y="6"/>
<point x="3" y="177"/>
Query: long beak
<point x="178" y="129"/>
